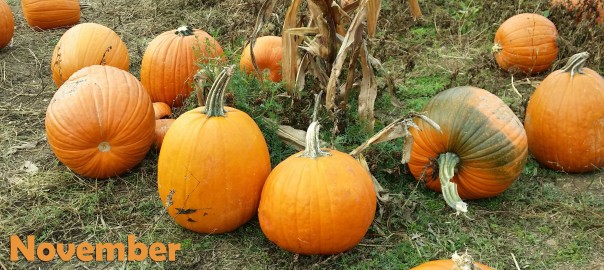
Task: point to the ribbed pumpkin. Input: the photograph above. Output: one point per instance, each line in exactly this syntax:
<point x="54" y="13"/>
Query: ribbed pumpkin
<point x="565" y="118"/>
<point x="7" y="24"/>
<point x="170" y="62"/>
<point x="161" y="110"/>
<point x="49" y="14"/>
<point x="586" y="8"/>
<point x="85" y="45"/>
<point x="482" y="148"/>
<point x="458" y="262"/>
<point x="212" y="166"/>
<point x="267" y="51"/>
<point x="100" y="122"/>
<point x="527" y="43"/>
<point x="318" y="201"/>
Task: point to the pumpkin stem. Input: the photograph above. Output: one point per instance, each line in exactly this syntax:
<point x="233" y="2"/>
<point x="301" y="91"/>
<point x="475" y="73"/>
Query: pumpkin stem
<point x="184" y="31"/>
<point x="464" y="262"/>
<point x="446" y="169"/>
<point x="215" y="103"/>
<point x="313" y="145"/>
<point x="496" y="48"/>
<point x="575" y="63"/>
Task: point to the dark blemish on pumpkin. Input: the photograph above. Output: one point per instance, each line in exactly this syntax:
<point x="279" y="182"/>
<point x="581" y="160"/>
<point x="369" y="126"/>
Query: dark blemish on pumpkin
<point x="104" y="60"/>
<point x="185" y="211"/>
<point x="191" y="220"/>
<point x="205" y="214"/>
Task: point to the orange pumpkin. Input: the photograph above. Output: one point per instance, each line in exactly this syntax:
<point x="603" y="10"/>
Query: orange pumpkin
<point x="565" y="118"/>
<point x="100" y="122"/>
<point x="463" y="262"/>
<point x="212" y="166"/>
<point x="7" y="24"/>
<point x="161" y="110"/>
<point x="170" y="62"/>
<point x="49" y="14"/>
<point x="318" y="201"/>
<point x="161" y="128"/>
<point x="267" y="51"/>
<point x="482" y="148"/>
<point x="527" y="43"/>
<point x="84" y="45"/>
<point x="586" y="8"/>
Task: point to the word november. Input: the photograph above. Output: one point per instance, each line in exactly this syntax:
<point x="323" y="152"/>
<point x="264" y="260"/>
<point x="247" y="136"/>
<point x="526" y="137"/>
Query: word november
<point x="87" y="252"/>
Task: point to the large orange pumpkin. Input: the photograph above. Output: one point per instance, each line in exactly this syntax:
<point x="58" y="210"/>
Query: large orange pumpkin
<point x="565" y="118"/>
<point x="170" y="62"/>
<point x="482" y="148"/>
<point x="49" y="14"/>
<point x="267" y="52"/>
<point x="586" y="8"/>
<point x="100" y="123"/>
<point x="318" y="201"/>
<point x="7" y="24"/>
<point x="463" y="262"/>
<point x="84" y="45"/>
<point x="526" y="43"/>
<point x="212" y="166"/>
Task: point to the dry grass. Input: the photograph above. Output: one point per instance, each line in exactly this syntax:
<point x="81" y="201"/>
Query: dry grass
<point x="547" y="220"/>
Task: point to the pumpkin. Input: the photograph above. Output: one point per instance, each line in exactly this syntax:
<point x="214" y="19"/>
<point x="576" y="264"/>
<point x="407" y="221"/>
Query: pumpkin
<point x="7" y="24"/>
<point x="565" y="118"/>
<point x="170" y="62"/>
<point x="588" y="8"/>
<point x="212" y="165"/>
<point x="100" y="122"/>
<point x="457" y="262"/>
<point x="318" y="201"/>
<point x="479" y="152"/>
<point x="49" y="14"/>
<point x="267" y="51"/>
<point x="84" y="45"/>
<point x="161" y="110"/>
<point x="527" y="43"/>
<point x="161" y="128"/>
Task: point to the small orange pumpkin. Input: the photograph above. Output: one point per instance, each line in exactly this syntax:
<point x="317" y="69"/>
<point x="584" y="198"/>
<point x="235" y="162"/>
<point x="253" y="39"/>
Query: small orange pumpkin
<point x="527" y="43"/>
<point x="318" y="201"/>
<point x="267" y="52"/>
<point x="7" y="24"/>
<point x="161" y="128"/>
<point x="457" y="262"/>
<point x="170" y="62"/>
<point x="100" y="122"/>
<point x="84" y="45"/>
<point x="212" y="165"/>
<point x="479" y="152"/>
<point x="161" y="110"/>
<point x="565" y="118"/>
<point x="49" y="14"/>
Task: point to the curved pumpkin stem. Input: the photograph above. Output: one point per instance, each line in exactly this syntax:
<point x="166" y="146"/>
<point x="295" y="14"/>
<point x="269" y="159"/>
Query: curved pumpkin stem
<point x="313" y="145"/>
<point x="215" y="104"/>
<point x="446" y="169"/>
<point x="184" y="31"/>
<point x="464" y="262"/>
<point x="575" y="63"/>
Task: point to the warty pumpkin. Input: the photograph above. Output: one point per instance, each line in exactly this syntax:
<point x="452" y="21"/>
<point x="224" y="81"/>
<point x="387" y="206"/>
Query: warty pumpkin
<point x="479" y="152"/>
<point x="526" y="43"/>
<point x="267" y="52"/>
<point x="457" y="262"/>
<point x="49" y="14"/>
<point x="7" y="24"/>
<point x="100" y="123"/>
<point x="84" y="45"/>
<point x="565" y="118"/>
<point x="318" y="201"/>
<point x="212" y="165"/>
<point x="170" y="62"/>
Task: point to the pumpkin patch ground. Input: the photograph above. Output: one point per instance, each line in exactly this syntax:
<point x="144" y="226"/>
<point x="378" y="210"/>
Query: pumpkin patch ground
<point x="545" y="220"/>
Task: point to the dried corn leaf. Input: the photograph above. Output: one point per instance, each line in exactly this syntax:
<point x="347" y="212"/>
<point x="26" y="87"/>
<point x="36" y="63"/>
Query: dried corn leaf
<point x="368" y="91"/>
<point x="397" y="129"/>
<point x="294" y="137"/>
<point x="289" y="62"/>
<point x="380" y="192"/>
<point x="265" y="12"/>
<point x="301" y="76"/>
<point x="373" y="13"/>
<point x="325" y="18"/>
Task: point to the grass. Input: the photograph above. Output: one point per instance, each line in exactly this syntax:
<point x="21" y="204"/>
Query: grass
<point x="546" y="219"/>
